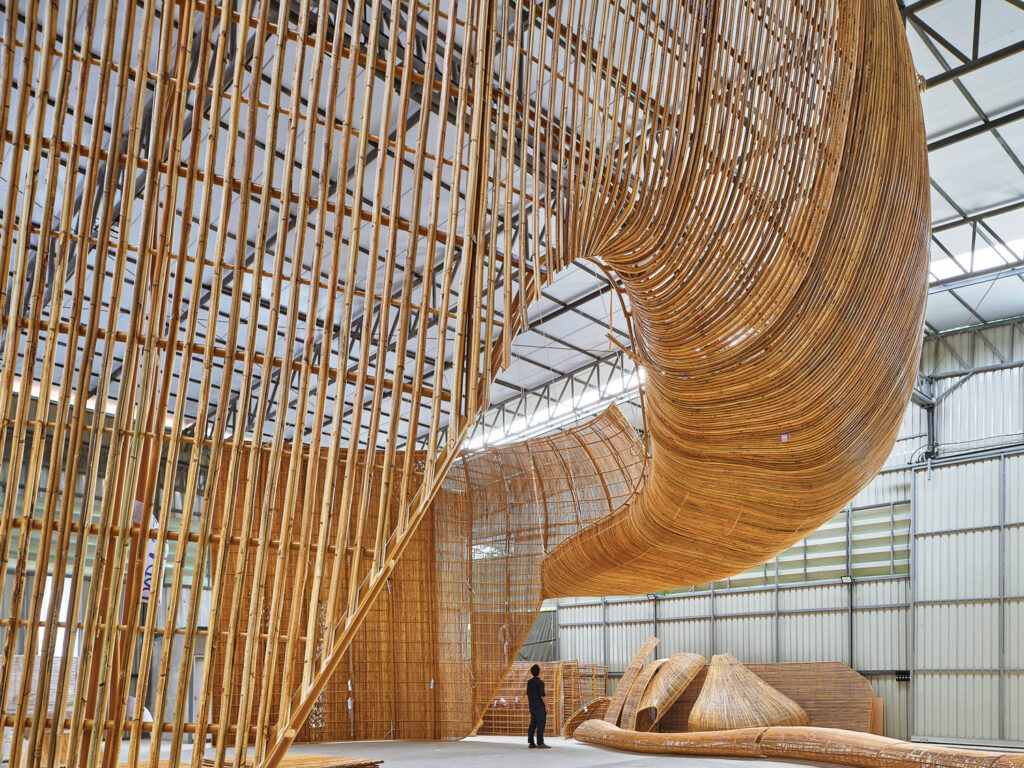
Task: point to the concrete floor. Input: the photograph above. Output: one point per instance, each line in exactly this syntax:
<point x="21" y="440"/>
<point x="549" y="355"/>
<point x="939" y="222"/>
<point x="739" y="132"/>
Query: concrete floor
<point x="501" y="751"/>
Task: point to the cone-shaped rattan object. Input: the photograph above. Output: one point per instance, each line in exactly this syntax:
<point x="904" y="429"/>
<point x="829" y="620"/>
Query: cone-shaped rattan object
<point x="734" y="697"/>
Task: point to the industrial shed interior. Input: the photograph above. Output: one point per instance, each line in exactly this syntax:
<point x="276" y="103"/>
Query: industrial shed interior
<point x="358" y="357"/>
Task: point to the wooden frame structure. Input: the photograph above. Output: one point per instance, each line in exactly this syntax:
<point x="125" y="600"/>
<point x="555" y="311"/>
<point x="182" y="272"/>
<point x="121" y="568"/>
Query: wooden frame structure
<point x="294" y="239"/>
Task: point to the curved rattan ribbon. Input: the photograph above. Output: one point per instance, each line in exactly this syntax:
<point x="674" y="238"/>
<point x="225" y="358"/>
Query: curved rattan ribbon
<point x="777" y="284"/>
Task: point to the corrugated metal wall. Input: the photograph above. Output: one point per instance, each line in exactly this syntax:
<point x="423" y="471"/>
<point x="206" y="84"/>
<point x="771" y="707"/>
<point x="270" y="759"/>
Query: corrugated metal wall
<point x="921" y="577"/>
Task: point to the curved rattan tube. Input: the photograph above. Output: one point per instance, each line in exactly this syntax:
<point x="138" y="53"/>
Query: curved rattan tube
<point x="628" y="678"/>
<point x="779" y="321"/>
<point x="666" y="687"/>
<point x="631" y="707"/>
<point x="734" y="697"/>
<point x="590" y="711"/>
<point x="826" y="745"/>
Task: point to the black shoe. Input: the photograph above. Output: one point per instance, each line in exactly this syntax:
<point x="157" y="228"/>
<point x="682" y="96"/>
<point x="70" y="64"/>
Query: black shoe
<point x="543" y="746"/>
<point x="533" y="746"/>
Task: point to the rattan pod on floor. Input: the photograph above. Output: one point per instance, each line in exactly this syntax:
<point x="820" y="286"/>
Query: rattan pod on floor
<point x="825" y="745"/>
<point x="734" y="697"/>
<point x="592" y="710"/>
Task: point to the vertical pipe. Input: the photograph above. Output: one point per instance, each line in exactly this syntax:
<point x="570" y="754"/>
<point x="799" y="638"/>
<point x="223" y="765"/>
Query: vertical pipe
<point x="912" y="650"/>
<point x="713" y="618"/>
<point x="849" y="576"/>
<point x="776" y="618"/>
<point x="1002" y="597"/>
<point x="656" y="628"/>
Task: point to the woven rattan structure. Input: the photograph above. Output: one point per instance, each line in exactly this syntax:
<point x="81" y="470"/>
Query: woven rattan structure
<point x="629" y="676"/>
<point x="734" y="697"/>
<point x="592" y="710"/>
<point x="666" y="687"/>
<point x="233" y="277"/>
<point x="825" y="745"/>
<point x="631" y="707"/>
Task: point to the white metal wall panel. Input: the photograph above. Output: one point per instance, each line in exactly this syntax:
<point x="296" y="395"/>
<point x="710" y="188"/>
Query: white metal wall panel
<point x="1014" y="706"/>
<point x="583" y="643"/>
<point x="881" y="592"/>
<point x="814" y="597"/>
<point x="575" y="614"/>
<point x="1013" y="633"/>
<point x="1014" y="561"/>
<point x="896" y="707"/>
<point x="958" y="496"/>
<point x="1015" y="489"/>
<point x="912" y="437"/>
<point x="624" y="640"/>
<point x="748" y="638"/>
<point x="956" y="705"/>
<point x="982" y="410"/>
<point x="960" y="636"/>
<point x="688" y="605"/>
<point x="632" y="610"/>
<point x="880" y="639"/>
<point x="753" y="601"/>
<point x="815" y="637"/>
<point x="885" y="488"/>
<point x="958" y="565"/>
<point x="691" y="636"/>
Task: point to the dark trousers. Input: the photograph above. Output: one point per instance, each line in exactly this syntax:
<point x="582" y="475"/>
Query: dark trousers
<point x="538" y="719"/>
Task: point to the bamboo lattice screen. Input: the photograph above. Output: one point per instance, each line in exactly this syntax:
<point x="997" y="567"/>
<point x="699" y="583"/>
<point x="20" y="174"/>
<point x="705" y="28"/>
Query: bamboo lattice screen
<point x="249" y="249"/>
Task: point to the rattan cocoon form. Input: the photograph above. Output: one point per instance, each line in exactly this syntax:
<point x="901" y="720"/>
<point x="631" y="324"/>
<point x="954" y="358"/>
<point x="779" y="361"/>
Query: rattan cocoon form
<point x="593" y="710"/>
<point x="666" y="687"/>
<point x="734" y="697"/>
<point x="825" y="745"/>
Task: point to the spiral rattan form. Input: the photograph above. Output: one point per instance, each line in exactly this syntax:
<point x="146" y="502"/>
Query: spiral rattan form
<point x="734" y="697"/>
<point x="777" y="318"/>
<point x="260" y="262"/>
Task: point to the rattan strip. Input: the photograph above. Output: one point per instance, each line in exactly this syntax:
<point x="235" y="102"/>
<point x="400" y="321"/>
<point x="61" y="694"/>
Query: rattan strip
<point x="146" y="146"/>
<point x="823" y="745"/>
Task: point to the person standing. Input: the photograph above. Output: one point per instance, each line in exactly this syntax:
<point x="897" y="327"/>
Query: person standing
<point x="538" y="708"/>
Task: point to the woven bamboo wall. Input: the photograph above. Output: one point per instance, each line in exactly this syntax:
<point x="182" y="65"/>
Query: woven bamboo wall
<point x="568" y="686"/>
<point x="438" y="641"/>
<point x="756" y="181"/>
